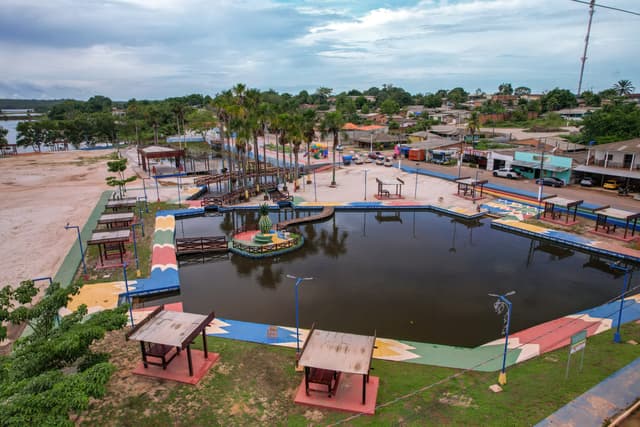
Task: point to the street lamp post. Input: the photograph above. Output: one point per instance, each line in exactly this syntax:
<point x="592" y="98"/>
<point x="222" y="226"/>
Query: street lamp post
<point x="627" y="271"/>
<point x="135" y="246"/>
<point x="84" y="265"/>
<point x="126" y="286"/>
<point x="499" y="306"/>
<point x="365" y="183"/>
<point x="144" y="189"/>
<point x="179" y="202"/>
<point x="298" y="280"/>
<point x="415" y="191"/>
<point x="315" y="189"/>
<point x="157" y="189"/>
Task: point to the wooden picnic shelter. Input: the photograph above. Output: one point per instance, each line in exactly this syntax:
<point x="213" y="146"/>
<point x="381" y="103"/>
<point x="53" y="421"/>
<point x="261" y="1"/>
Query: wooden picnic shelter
<point x="116" y="220"/>
<point x="605" y="212"/>
<point x="384" y="193"/>
<point x="110" y="241"/>
<point x="326" y="354"/>
<point x="157" y="152"/>
<point x="129" y="203"/>
<point x="164" y="333"/>
<point x="553" y="202"/>
<point x="468" y="185"/>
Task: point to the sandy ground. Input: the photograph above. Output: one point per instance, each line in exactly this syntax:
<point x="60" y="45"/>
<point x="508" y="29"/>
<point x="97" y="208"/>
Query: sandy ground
<point x="40" y="194"/>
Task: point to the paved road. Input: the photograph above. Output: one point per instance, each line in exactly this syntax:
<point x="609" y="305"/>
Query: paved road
<point x="596" y="196"/>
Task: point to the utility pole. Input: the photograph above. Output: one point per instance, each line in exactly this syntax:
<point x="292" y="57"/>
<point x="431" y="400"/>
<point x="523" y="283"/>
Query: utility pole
<point x="586" y="44"/>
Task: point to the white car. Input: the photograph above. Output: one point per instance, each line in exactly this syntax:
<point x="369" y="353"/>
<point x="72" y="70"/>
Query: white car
<point x="507" y="173"/>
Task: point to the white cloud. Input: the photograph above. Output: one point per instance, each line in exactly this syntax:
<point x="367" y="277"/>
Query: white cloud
<point x="158" y="48"/>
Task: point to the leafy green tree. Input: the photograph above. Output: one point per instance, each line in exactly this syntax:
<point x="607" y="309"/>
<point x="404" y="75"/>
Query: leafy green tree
<point x="360" y="102"/>
<point x="432" y="101"/>
<point x="3" y="137"/>
<point x="331" y="125"/>
<point x="624" y="87"/>
<point x="616" y="122"/>
<point x="505" y="89"/>
<point x="365" y="109"/>
<point x="558" y="99"/>
<point x="98" y="104"/>
<point x="457" y="95"/>
<point x="119" y="165"/>
<point x="522" y="90"/>
<point x="389" y="107"/>
<point x="590" y="99"/>
<point x="608" y="94"/>
<point x="52" y="372"/>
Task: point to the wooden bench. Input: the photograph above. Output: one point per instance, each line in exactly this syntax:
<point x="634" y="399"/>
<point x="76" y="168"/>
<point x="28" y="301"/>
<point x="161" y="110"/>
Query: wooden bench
<point x="323" y="377"/>
<point x="158" y="351"/>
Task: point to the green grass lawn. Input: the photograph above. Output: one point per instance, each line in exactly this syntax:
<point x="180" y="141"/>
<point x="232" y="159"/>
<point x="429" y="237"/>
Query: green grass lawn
<point x="144" y="246"/>
<point x="254" y="384"/>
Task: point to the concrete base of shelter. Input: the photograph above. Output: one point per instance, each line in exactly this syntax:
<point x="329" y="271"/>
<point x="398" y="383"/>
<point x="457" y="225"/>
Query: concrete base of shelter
<point x="559" y="222"/>
<point x="178" y="369"/>
<point x="616" y="235"/>
<point x="390" y="197"/>
<point x="347" y="397"/>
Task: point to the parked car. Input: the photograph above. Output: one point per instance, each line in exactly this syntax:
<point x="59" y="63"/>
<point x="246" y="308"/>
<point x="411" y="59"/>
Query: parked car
<point x="357" y="159"/>
<point x="587" y="181"/>
<point x="339" y="147"/>
<point x="550" y="181"/>
<point x="610" y="184"/>
<point x="380" y="160"/>
<point x="507" y="173"/>
<point x="387" y="162"/>
<point x="374" y="155"/>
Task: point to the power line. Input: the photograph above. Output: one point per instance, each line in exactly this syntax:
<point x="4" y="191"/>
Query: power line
<point x="592" y="4"/>
<point x="608" y="7"/>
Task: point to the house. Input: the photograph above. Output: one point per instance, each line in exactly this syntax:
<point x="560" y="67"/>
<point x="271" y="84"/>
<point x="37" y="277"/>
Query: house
<point x="354" y="132"/>
<point x="530" y="164"/>
<point x="577" y="113"/>
<point x="377" y="118"/>
<point x="415" y="111"/>
<point x="418" y="136"/>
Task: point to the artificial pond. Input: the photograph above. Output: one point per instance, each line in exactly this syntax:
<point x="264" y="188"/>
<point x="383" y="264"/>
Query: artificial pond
<point x="413" y="275"/>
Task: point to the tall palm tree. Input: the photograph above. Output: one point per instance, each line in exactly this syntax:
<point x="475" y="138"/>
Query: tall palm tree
<point x="624" y="87"/>
<point x="309" y="119"/>
<point x="223" y="105"/>
<point x="332" y="124"/>
<point x="473" y="123"/>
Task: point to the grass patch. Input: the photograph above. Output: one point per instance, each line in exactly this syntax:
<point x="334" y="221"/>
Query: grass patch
<point x="254" y="384"/>
<point x="144" y="245"/>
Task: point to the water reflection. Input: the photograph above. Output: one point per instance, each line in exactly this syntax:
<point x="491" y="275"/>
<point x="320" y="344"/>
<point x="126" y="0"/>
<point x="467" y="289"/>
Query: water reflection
<point x="396" y="276"/>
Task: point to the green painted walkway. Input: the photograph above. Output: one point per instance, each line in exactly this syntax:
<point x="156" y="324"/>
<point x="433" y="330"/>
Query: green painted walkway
<point x="70" y="265"/>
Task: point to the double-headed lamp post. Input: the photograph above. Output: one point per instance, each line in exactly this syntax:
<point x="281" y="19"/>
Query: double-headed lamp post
<point x="298" y="280"/>
<point x="77" y="227"/>
<point x="500" y="306"/>
<point x="627" y="273"/>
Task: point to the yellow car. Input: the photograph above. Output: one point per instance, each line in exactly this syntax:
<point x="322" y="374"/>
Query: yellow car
<point x="610" y="184"/>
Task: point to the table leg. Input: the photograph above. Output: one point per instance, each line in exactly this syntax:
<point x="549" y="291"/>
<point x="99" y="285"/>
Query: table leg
<point x="204" y="344"/>
<point x="364" y="388"/>
<point x="189" y="360"/>
<point x="144" y="355"/>
<point x="306" y="380"/>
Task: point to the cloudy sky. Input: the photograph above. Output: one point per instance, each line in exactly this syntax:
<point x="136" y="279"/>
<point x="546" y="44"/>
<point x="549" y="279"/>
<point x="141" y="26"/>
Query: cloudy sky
<point x="159" y="48"/>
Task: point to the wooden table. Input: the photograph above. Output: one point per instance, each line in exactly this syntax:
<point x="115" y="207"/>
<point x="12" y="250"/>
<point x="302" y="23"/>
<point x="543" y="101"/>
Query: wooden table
<point x="110" y="238"/>
<point x="171" y="329"/>
<point x="337" y="352"/>
<point x="123" y="219"/>
<point x="127" y="204"/>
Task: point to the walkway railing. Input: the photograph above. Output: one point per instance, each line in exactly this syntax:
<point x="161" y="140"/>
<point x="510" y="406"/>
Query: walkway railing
<point x="198" y="245"/>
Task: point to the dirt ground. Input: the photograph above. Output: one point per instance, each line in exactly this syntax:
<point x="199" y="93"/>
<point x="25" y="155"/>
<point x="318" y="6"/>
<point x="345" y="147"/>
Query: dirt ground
<point x="40" y="194"/>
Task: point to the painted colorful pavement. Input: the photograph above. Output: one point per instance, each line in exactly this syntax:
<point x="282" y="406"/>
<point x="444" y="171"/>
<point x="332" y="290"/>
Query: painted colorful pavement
<point x="488" y="357"/>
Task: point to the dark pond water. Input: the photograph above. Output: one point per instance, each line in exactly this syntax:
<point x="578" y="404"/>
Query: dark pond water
<point x="408" y="275"/>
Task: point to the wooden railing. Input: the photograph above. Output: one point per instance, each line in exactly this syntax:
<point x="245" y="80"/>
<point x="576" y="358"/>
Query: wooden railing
<point x="198" y="245"/>
<point x="261" y="249"/>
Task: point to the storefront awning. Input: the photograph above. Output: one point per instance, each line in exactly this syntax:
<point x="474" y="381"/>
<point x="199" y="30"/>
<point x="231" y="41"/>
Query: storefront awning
<point x="622" y="173"/>
<point x="536" y="165"/>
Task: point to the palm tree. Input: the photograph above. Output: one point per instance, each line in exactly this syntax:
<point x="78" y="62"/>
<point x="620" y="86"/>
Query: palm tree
<point x="473" y="123"/>
<point x="3" y="137"/>
<point x="624" y="87"/>
<point x="221" y="104"/>
<point x="332" y="124"/>
<point x="308" y="133"/>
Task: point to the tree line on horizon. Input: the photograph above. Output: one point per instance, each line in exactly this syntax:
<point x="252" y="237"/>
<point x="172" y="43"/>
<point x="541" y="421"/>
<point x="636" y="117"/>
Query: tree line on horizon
<point x="99" y="119"/>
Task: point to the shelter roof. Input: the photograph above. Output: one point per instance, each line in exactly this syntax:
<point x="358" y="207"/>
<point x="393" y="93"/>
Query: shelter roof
<point x="562" y="202"/>
<point x="616" y="213"/>
<point x="338" y="351"/>
<point x="622" y="173"/>
<point x="628" y="146"/>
